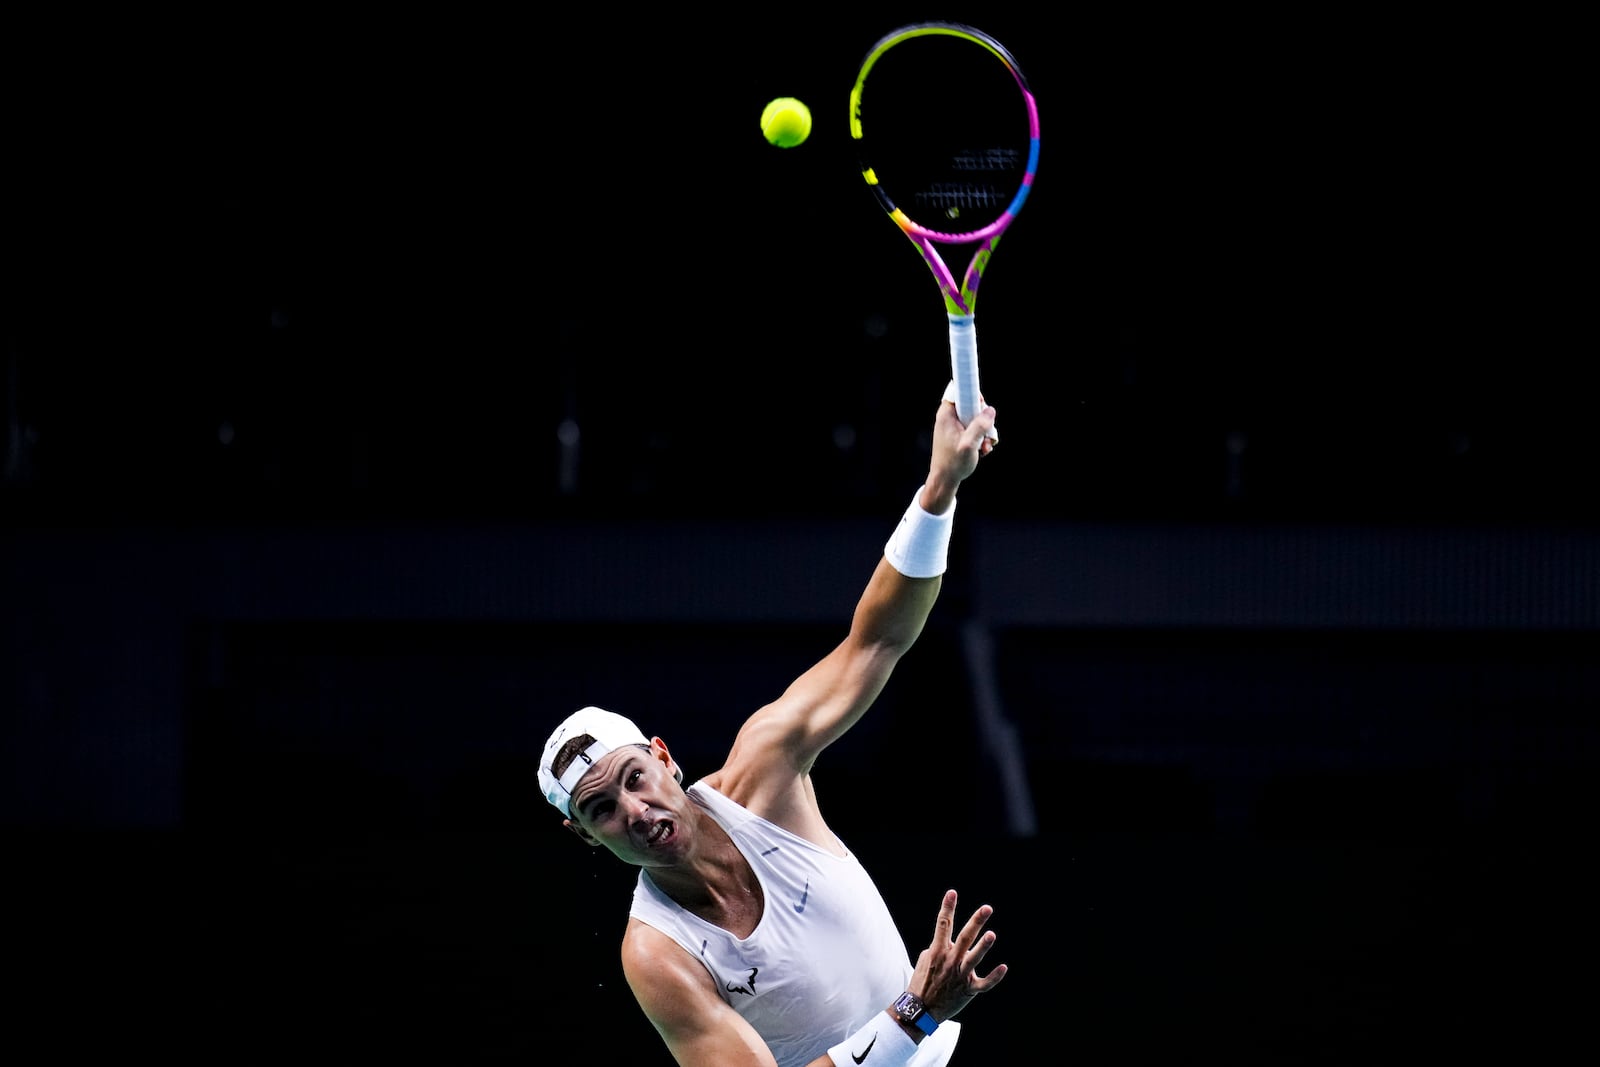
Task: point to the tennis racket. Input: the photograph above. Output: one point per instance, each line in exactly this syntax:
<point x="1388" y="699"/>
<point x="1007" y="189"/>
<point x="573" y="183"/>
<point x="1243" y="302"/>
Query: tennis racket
<point x="948" y="141"/>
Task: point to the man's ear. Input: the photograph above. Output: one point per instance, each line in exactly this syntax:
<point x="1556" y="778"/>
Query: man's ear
<point x="584" y="835"/>
<point x="658" y="750"/>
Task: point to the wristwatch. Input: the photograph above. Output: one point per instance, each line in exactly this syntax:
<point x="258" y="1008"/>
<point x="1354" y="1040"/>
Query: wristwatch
<point x="908" y="1006"/>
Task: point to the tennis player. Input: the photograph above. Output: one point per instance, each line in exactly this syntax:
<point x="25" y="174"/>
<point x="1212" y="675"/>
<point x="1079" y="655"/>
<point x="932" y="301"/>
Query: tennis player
<point x="756" y="938"/>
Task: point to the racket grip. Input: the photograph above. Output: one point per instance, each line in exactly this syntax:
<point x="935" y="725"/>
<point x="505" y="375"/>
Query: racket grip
<point x="964" y="369"/>
<point x="964" y="365"/>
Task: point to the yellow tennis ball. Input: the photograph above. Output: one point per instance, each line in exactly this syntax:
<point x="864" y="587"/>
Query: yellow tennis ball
<point x="786" y="122"/>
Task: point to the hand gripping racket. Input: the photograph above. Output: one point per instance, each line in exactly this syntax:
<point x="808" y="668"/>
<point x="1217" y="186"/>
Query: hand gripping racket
<point x="955" y="135"/>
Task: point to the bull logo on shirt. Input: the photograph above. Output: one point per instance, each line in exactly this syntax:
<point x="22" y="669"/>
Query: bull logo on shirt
<point x="750" y="990"/>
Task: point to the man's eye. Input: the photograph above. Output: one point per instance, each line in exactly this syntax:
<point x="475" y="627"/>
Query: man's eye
<point x="633" y="778"/>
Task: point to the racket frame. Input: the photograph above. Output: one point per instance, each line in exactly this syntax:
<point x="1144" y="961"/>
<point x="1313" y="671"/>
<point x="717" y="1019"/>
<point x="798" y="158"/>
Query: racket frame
<point x="960" y="298"/>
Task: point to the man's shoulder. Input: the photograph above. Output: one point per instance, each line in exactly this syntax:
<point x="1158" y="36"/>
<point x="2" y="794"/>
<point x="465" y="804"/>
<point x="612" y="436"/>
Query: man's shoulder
<point x="659" y="970"/>
<point x="644" y="944"/>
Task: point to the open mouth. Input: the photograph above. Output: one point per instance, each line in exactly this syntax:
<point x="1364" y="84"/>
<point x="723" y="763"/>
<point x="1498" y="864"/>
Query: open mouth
<point x="659" y="832"/>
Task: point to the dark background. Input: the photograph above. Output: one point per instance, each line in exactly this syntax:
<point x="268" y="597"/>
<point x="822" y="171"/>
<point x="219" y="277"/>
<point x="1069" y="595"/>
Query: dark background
<point x="379" y="390"/>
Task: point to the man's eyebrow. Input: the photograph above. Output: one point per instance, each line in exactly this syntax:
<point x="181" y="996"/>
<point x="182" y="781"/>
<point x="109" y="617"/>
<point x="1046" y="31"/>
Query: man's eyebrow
<point x="622" y="765"/>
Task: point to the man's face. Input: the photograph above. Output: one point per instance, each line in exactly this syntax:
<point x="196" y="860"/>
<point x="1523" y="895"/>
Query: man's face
<point x="630" y="802"/>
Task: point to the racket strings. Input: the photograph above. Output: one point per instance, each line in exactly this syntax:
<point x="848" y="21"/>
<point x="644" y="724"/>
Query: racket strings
<point x="945" y="132"/>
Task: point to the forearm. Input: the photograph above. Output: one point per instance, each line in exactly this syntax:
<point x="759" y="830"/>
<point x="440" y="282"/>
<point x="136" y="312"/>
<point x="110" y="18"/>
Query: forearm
<point x="894" y="608"/>
<point x="906" y="583"/>
<point x="938" y="493"/>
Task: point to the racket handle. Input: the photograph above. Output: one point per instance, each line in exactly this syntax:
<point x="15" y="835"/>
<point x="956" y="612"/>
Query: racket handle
<point x="964" y="369"/>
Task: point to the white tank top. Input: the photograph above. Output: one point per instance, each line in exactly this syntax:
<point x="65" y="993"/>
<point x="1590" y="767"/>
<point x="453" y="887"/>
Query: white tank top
<point x="825" y="955"/>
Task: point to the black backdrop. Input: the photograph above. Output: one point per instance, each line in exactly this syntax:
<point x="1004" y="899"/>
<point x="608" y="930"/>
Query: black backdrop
<point x="1287" y="563"/>
<point x="1311" y="267"/>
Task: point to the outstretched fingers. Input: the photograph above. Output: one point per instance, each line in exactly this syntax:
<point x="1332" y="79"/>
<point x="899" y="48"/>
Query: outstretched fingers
<point x="973" y="931"/>
<point x="977" y="983"/>
<point x="947" y="916"/>
<point x="972" y="941"/>
<point x="976" y="942"/>
<point x="945" y="975"/>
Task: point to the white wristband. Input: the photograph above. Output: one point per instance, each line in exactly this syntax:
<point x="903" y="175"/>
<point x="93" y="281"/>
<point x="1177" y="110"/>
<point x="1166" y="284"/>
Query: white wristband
<point x="891" y="1046"/>
<point x="920" y="545"/>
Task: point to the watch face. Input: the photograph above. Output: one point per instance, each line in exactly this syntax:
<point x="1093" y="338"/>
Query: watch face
<point x="908" y="1006"/>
